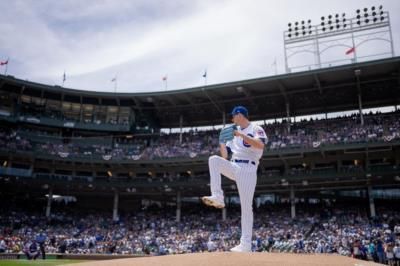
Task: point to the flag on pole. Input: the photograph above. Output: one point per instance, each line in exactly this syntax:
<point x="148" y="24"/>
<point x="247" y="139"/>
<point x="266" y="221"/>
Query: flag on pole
<point x="5" y="63"/>
<point x="165" y="80"/>
<point x="205" y="74"/>
<point x="64" y="77"/>
<point x="351" y="50"/>
<point x="115" y="83"/>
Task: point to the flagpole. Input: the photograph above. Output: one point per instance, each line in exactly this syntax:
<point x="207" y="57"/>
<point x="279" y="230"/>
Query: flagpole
<point x="6" y="68"/>
<point x="165" y="79"/>
<point x="115" y="80"/>
<point x="276" y="68"/>
<point x="205" y="78"/>
<point x="63" y="79"/>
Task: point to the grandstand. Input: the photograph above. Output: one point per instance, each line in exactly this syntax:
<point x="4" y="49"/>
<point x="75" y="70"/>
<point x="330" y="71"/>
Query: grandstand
<point x="106" y="151"/>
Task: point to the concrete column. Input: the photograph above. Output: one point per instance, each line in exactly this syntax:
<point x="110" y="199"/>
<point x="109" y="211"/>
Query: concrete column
<point x="358" y="73"/>
<point x="115" y="208"/>
<point x="49" y="200"/>
<point x="360" y="109"/>
<point x="288" y="116"/>
<point x="180" y="128"/>
<point x="224" y="214"/>
<point x="292" y="203"/>
<point x="178" y="206"/>
<point x="371" y="201"/>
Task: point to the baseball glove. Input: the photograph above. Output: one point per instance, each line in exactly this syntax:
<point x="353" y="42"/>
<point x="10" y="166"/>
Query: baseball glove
<point x="226" y="134"/>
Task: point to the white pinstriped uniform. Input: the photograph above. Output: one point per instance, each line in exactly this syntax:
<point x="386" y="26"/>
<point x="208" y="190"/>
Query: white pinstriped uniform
<point x="244" y="174"/>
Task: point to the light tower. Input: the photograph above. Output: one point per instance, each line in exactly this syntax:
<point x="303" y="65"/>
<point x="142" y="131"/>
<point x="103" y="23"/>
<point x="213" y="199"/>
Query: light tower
<point x="369" y="24"/>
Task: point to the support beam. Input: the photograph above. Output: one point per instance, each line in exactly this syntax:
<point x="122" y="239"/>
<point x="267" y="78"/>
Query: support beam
<point x="357" y="72"/>
<point x="115" y="209"/>
<point x="180" y="128"/>
<point x="209" y="96"/>
<point x="371" y="201"/>
<point x="178" y="206"/>
<point x="288" y="116"/>
<point x="318" y="83"/>
<point x="248" y="96"/>
<point x="285" y="96"/>
<point x="360" y="109"/>
<point x="292" y="203"/>
<point x="224" y="214"/>
<point x="49" y="200"/>
<point x="171" y="100"/>
<point x="138" y="104"/>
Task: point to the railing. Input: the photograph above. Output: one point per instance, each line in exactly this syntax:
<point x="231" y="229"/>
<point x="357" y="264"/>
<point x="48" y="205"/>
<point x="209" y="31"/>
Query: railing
<point x="67" y="124"/>
<point x="15" y="171"/>
<point x="89" y="155"/>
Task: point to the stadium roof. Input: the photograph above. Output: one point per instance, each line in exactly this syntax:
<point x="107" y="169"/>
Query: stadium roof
<point x="302" y="93"/>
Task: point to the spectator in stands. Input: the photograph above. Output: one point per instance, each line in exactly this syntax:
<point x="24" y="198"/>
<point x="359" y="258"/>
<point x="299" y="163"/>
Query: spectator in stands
<point x="389" y="254"/>
<point x="31" y="250"/>
<point x="380" y="251"/>
<point x="2" y="245"/>
<point x="396" y="251"/>
<point x="41" y="240"/>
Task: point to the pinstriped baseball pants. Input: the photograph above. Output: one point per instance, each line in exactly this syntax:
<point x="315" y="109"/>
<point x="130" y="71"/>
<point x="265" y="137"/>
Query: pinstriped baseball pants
<point x="245" y="176"/>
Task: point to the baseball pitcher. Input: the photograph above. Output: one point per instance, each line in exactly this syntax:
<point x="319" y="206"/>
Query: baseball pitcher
<point x="245" y="141"/>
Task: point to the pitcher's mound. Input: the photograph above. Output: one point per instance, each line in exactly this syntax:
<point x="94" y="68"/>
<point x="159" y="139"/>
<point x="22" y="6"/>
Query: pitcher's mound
<point x="235" y="259"/>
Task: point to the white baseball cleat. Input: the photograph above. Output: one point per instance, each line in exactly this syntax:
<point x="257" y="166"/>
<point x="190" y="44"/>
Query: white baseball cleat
<point x="241" y="248"/>
<point x="214" y="201"/>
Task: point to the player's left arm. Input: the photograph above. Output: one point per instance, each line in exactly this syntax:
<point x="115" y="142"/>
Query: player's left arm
<point x="259" y="139"/>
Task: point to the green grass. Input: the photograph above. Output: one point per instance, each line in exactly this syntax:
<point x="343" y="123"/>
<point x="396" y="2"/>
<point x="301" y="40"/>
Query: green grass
<point x="38" y="262"/>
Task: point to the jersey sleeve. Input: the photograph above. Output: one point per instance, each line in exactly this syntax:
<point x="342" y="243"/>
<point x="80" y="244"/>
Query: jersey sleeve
<point x="229" y="144"/>
<point x="259" y="133"/>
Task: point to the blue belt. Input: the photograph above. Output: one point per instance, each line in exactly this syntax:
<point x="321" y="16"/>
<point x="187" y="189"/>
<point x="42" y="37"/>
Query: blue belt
<point x="244" y="161"/>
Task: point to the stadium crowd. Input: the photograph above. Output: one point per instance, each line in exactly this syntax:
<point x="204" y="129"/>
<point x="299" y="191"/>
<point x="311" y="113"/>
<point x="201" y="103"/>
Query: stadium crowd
<point x="345" y="231"/>
<point x="304" y="134"/>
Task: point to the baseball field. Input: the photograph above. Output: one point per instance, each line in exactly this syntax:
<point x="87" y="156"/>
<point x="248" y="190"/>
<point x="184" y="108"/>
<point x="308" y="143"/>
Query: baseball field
<point x="234" y="259"/>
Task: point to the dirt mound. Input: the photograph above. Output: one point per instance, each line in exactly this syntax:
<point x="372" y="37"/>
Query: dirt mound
<point x="235" y="259"/>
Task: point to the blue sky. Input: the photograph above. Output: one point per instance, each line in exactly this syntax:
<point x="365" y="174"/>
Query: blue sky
<point x="142" y="41"/>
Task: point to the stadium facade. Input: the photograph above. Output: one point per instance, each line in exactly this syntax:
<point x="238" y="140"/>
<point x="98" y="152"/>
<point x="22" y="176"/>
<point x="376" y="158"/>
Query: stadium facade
<point x="89" y="145"/>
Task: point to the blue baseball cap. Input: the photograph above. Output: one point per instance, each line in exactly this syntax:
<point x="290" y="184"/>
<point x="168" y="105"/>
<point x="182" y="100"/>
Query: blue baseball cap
<point x="240" y="110"/>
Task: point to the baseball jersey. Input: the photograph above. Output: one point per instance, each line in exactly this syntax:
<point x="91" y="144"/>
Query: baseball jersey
<point x="244" y="151"/>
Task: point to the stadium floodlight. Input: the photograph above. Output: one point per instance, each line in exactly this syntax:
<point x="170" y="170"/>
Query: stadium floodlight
<point x="338" y="30"/>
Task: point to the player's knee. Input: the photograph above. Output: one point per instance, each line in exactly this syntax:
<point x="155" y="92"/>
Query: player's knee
<point x="213" y="159"/>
